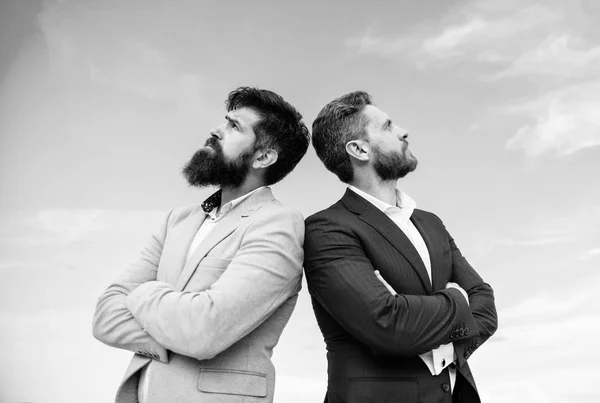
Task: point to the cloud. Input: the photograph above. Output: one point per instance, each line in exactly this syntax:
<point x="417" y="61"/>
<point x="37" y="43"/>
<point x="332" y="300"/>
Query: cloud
<point x="81" y="45"/>
<point x="514" y="37"/>
<point x="560" y="56"/>
<point x="538" y="348"/>
<point x="485" y="32"/>
<point x="42" y="369"/>
<point x="564" y="122"/>
<point x="543" y="306"/>
<point x="65" y="226"/>
<point x="367" y="43"/>
<point x="138" y="68"/>
<point x="550" y="326"/>
<point x="68" y="225"/>
<point x="479" y="32"/>
<point x="535" y="241"/>
<point x="590" y="254"/>
<point x="581" y="225"/>
<point x="542" y="42"/>
<point x="448" y="42"/>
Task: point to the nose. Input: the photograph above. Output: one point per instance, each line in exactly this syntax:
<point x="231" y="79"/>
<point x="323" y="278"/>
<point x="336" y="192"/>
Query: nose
<point x="216" y="132"/>
<point x="402" y="133"/>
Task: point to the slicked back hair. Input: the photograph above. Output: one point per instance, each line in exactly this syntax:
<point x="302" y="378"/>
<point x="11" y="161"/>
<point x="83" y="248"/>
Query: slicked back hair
<point x="280" y="127"/>
<point x="339" y="122"/>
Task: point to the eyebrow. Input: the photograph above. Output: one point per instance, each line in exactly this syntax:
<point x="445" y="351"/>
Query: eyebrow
<point x="233" y="120"/>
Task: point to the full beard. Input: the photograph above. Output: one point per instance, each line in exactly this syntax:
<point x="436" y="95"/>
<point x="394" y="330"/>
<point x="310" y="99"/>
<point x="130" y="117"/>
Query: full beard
<point x="210" y="168"/>
<point x="395" y="165"/>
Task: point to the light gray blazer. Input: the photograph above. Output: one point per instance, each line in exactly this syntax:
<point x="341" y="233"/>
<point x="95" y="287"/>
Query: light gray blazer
<point x="208" y="326"/>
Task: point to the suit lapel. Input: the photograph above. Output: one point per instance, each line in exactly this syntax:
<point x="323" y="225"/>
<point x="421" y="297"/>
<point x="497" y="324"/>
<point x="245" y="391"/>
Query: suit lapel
<point x="183" y="237"/>
<point x="390" y="231"/>
<point x="434" y="246"/>
<point x="226" y="226"/>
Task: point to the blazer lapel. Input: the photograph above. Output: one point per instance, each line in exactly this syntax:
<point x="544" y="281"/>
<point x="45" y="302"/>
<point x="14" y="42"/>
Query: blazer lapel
<point x="434" y="246"/>
<point x="226" y="226"/>
<point x="390" y="231"/>
<point x="183" y="237"/>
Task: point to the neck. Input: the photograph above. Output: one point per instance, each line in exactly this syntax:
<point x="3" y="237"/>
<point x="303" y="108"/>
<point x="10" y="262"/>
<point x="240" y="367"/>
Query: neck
<point x="228" y="194"/>
<point x="384" y="191"/>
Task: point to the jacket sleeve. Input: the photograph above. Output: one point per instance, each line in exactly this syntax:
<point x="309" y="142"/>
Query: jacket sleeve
<point x="264" y="273"/>
<point x="341" y="279"/>
<point x="481" y="301"/>
<point x="113" y="323"/>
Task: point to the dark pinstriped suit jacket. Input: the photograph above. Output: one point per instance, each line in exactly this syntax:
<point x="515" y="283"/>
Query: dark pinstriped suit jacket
<point x="374" y="338"/>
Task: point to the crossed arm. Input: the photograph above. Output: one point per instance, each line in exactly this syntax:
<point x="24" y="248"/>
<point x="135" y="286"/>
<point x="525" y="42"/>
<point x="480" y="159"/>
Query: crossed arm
<point x="113" y="323"/>
<point x="342" y="280"/>
<point x="264" y="273"/>
<point x="481" y="301"/>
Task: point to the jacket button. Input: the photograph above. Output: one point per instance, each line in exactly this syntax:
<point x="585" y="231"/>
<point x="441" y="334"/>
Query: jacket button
<point x="467" y="354"/>
<point x="467" y="331"/>
<point x="461" y="332"/>
<point x="445" y="387"/>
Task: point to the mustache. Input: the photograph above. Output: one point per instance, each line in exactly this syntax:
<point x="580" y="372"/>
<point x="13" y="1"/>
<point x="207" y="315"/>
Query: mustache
<point x="214" y="143"/>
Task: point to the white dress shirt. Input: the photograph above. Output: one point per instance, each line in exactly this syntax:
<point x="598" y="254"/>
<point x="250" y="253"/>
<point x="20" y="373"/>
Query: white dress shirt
<point x="209" y="223"/>
<point x="439" y="358"/>
<point x="213" y="219"/>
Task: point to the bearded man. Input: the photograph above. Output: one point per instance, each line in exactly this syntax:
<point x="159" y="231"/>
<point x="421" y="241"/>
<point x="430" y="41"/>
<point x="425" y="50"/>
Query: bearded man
<point x="400" y="309"/>
<point x="206" y="301"/>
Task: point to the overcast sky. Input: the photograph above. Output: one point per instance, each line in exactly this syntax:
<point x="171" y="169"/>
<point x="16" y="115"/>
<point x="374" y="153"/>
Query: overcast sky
<point x="102" y="102"/>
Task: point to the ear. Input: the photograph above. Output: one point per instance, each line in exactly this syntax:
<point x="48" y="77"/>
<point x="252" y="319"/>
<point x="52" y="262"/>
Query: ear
<point x="358" y="149"/>
<point x="264" y="158"/>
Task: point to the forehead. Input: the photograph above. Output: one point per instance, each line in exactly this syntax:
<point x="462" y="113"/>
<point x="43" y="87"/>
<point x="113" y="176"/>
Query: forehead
<point x="375" y="116"/>
<point x="246" y="116"/>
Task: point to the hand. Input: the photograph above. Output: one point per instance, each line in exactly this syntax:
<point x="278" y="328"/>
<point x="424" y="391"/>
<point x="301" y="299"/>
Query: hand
<point x="459" y="288"/>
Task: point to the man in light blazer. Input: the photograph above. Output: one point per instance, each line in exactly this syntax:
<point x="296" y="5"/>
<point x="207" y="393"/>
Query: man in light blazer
<point x="400" y="308"/>
<point x="206" y="301"/>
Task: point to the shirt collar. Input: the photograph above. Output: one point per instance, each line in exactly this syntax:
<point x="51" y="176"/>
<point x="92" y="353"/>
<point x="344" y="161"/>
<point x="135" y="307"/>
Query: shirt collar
<point x="403" y="201"/>
<point x="211" y="205"/>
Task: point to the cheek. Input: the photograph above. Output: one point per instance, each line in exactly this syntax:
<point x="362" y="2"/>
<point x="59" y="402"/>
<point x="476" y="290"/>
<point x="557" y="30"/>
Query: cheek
<point x="388" y="145"/>
<point x="237" y="147"/>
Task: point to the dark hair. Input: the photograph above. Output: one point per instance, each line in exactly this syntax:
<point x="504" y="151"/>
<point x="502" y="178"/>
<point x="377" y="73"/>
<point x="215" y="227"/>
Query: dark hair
<point x="339" y="122"/>
<point x="280" y="127"/>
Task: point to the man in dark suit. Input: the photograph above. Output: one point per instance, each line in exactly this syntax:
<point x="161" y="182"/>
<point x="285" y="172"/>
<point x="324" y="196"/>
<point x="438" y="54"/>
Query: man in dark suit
<point x="400" y="309"/>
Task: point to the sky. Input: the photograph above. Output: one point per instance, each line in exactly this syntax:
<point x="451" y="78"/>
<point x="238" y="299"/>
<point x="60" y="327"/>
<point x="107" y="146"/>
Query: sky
<point x="103" y="102"/>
